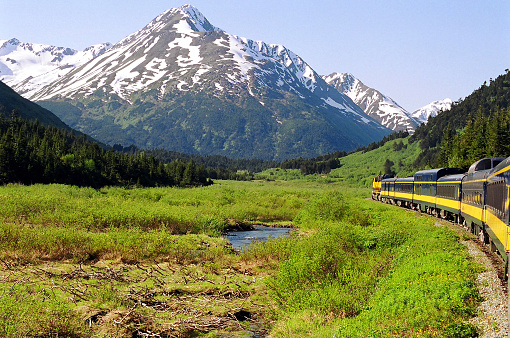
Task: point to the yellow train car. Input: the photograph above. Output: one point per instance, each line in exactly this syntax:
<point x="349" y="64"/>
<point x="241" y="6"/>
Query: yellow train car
<point x="376" y="188"/>
<point x="388" y="190"/>
<point x="448" y="197"/>
<point x="404" y="191"/>
<point x="497" y="208"/>
<point x="474" y="192"/>
<point x="425" y="187"/>
<point x="377" y="185"/>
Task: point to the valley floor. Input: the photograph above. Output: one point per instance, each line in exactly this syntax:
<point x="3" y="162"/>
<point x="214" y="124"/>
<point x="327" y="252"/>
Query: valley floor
<point x="80" y="262"/>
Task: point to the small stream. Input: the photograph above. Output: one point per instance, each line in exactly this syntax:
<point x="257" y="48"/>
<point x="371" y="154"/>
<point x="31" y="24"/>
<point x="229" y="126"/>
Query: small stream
<point x="240" y="239"/>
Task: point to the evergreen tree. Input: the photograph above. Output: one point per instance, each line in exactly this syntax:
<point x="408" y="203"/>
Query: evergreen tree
<point x="446" y="154"/>
<point x="388" y="168"/>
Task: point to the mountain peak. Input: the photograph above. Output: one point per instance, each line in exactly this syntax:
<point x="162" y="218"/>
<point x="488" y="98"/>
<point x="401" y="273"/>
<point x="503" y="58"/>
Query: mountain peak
<point x="14" y="41"/>
<point x="375" y="104"/>
<point x="423" y="114"/>
<point x="193" y="17"/>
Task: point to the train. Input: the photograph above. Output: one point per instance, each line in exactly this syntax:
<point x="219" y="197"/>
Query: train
<point x="478" y="200"/>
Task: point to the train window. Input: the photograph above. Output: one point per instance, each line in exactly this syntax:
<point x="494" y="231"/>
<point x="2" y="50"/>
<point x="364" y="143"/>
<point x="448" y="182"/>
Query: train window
<point x="484" y="164"/>
<point x="448" y="191"/>
<point x="496" y="195"/>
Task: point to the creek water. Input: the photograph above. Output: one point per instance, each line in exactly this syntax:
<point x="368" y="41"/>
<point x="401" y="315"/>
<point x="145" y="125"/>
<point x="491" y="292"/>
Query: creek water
<point x="240" y="239"/>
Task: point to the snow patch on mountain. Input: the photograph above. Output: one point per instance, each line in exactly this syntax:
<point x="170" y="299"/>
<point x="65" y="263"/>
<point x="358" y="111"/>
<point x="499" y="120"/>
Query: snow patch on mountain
<point x="423" y="114"/>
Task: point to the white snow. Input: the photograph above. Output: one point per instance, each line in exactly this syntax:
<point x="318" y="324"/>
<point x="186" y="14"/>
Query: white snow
<point x="193" y="51"/>
<point x="180" y="84"/>
<point x="432" y="109"/>
<point x="202" y="70"/>
<point x="335" y="104"/>
<point x="148" y="48"/>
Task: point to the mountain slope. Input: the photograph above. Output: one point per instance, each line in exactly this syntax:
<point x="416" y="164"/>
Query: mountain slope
<point x="11" y="101"/>
<point x="182" y="84"/>
<point x="376" y="105"/>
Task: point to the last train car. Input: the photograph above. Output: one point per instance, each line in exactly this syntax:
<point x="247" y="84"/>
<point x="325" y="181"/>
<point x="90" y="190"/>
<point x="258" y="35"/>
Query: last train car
<point x="425" y="187"/>
<point x="497" y="208"/>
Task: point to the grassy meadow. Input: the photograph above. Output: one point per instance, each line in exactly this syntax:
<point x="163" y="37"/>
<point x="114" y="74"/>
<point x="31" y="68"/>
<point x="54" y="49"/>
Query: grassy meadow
<point x="359" y="168"/>
<point x="79" y="262"/>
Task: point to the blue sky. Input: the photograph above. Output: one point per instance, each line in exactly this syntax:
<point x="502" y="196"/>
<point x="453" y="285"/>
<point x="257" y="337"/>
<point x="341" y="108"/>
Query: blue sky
<point x="415" y="52"/>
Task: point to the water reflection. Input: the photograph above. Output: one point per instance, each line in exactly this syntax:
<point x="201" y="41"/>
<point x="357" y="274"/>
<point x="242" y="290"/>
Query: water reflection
<point x="239" y="239"/>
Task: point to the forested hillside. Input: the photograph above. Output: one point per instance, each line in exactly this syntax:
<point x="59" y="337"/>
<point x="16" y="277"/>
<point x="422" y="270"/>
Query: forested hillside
<point x="11" y="102"/>
<point x="33" y="153"/>
<point x="475" y="124"/>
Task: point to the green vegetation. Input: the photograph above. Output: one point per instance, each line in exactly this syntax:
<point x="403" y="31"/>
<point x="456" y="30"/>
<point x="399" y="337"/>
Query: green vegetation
<point x="32" y="153"/>
<point x="371" y="270"/>
<point x="482" y="137"/>
<point x="487" y="102"/>
<point x="11" y="103"/>
<point x="359" y="168"/>
<point x="115" y="262"/>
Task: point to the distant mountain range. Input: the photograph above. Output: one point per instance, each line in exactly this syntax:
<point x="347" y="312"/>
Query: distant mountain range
<point x="182" y="84"/>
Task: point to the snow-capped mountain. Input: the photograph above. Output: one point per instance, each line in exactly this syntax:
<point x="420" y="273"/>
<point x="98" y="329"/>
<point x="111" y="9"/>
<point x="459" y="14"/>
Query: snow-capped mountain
<point x="375" y="104"/>
<point x="432" y="109"/>
<point x="182" y="84"/>
<point x="27" y="67"/>
<point x="180" y="49"/>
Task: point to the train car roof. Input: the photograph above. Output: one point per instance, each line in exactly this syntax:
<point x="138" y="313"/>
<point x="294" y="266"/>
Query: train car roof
<point x="392" y="179"/>
<point x="478" y="175"/>
<point x="502" y="165"/>
<point x="451" y="178"/>
<point x="405" y="179"/>
<point x="485" y="164"/>
<point x="433" y="174"/>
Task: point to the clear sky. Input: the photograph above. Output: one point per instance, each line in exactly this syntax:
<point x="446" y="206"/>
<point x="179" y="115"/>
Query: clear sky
<point x="415" y="51"/>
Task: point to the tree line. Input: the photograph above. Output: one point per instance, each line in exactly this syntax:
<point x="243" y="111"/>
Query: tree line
<point x="318" y="165"/>
<point x="222" y="167"/>
<point x="485" y="101"/>
<point x="483" y="136"/>
<point x="390" y="137"/>
<point x="33" y="153"/>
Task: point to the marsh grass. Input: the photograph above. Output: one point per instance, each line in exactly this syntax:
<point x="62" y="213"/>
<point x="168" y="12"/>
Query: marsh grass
<point x="126" y="262"/>
<point x="63" y="222"/>
<point x="108" y="299"/>
<point x="392" y="274"/>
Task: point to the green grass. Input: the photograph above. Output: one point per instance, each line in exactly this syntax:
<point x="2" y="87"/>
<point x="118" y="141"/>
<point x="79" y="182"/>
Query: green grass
<point x="395" y="274"/>
<point x="359" y="168"/>
<point x="110" y="262"/>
